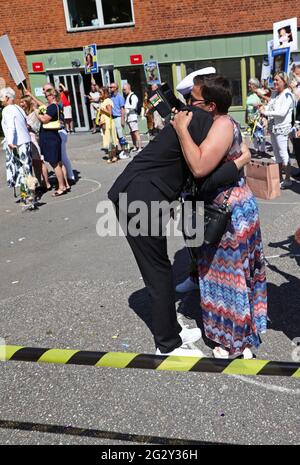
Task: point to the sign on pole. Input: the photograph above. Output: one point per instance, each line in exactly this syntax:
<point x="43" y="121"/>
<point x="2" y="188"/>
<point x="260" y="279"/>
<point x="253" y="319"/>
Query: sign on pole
<point x="11" y="60"/>
<point x="152" y="72"/>
<point x="90" y="59"/>
<point x="285" y="34"/>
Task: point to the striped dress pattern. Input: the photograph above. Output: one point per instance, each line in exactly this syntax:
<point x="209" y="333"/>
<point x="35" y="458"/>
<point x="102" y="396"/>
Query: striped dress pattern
<point x="232" y="274"/>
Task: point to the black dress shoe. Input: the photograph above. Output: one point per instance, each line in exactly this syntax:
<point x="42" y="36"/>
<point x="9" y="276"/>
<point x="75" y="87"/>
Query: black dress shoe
<point x="297" y="174"/>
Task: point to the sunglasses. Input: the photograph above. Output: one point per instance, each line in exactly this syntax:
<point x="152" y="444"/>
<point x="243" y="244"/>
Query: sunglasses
<point x="194" y="101"/>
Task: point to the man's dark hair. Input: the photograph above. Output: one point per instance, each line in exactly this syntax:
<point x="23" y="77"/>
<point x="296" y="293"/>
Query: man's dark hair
<point x="215" y="88"/>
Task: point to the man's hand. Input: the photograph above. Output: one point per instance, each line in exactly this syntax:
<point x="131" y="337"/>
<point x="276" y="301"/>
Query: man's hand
<point x="181" y="120"/>
<point x="12" y="146"/>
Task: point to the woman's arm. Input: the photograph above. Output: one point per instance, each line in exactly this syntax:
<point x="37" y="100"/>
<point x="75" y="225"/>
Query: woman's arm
<point x="227" y="173"/>
<point x="203" y="159"/>
<point x="36" y="101"/>
<point x="282" y="107"/>
<point x="44" y="118"/>
<point x="107" y="111"/>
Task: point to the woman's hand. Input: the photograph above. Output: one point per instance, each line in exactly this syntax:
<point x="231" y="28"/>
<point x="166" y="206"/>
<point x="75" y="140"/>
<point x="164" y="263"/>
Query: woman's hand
<point x="245" y="158"/>
<point x="181" y="121"/>
<point x="12" y="146"/>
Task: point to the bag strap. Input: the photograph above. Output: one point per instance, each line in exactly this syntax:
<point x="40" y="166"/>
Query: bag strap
<point x="19" y="110"/>
<point x="227" y="196"/>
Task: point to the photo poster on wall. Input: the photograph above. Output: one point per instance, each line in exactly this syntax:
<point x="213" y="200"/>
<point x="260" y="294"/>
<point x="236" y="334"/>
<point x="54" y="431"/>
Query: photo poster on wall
<point x="285" y="34"/>
<point x="90" y="59"/>
<point x="152" y="73"/>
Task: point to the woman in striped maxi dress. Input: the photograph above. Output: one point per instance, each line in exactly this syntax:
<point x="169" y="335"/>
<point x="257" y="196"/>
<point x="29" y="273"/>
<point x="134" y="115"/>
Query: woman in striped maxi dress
<point x="232" y="275"/>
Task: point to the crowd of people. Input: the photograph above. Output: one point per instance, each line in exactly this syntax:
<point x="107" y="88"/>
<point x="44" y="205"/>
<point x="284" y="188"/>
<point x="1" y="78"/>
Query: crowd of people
<point x="112" y="113"/>
<point x="35" y="134"/>
<point x="206" y="144"/>
<point x="276" y="114"/>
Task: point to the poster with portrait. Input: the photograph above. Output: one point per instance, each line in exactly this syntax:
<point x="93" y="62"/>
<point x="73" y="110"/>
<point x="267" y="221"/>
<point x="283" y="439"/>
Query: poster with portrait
<point x="265" y="69"/>
<point x="152" y="72"/>
<point x="90" y="59"/>
<point x="281" y="60"/>
<point x="285" y="34"/>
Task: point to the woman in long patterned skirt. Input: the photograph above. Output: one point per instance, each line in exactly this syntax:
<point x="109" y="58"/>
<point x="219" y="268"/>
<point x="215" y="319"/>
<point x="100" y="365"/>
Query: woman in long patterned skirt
<point x="232" y="275"/>
<point x="18" y="148"/>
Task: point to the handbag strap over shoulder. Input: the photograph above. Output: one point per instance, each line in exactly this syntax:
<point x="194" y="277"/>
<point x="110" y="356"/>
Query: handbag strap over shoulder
<point x="227" y="197"/>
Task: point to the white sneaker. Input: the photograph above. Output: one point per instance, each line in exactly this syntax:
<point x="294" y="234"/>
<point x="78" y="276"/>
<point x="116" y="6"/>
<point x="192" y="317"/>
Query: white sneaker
<point x="285" y="184"/>
<point x="190" y="335"/>
<point x="123" y="156"/>
<point x="248" y="355"/>
<point x="187" y="286"/>
<point x="182" y="351"/>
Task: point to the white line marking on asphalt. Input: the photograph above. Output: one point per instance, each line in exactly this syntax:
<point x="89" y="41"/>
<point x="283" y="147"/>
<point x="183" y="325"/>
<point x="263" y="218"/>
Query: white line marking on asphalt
<point x="55" y="202"/>
<point x="270" y="203"/>
<point x="80" y="195"/>
<point x="283" y="255"/>
<point x="269" y="387"/>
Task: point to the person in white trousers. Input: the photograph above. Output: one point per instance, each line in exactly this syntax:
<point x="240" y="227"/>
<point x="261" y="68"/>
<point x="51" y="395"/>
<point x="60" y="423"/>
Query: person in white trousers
<point x="279" y="111"/>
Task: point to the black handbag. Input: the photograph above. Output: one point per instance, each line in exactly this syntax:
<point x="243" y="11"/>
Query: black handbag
<point x="216" y="220"/>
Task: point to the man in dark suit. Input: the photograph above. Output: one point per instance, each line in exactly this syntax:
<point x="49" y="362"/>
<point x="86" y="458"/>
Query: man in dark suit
<point x="158" y="173"/>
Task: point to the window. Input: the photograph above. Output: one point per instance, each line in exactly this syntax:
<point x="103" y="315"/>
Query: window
<point x="230" y="68"/>
<point x="85" y="14"/>
<point x="258" y="66"/>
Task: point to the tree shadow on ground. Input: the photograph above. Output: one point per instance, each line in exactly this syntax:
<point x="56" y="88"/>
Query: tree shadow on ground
<point x="284" y="300"/>
<point x="188" y="304"/>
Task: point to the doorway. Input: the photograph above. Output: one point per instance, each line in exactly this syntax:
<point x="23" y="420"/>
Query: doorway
<point x="74" y="83"/>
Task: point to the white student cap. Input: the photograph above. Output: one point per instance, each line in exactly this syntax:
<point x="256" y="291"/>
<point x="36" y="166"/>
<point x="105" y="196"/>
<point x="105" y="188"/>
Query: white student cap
<point x="186" y="85"/>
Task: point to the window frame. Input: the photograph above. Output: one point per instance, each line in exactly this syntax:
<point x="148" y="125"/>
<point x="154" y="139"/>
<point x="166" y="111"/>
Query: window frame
<point x="100" y="19"/>
<point x="242" y="61"/>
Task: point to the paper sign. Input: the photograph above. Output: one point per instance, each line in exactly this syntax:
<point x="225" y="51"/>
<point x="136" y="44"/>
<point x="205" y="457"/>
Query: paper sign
<point x="11" y="60"/>
<point x="152" y="72"/>
<point x="90" y="59"/>
<point x="285" y="34"/>
<point x="38" y="92"/>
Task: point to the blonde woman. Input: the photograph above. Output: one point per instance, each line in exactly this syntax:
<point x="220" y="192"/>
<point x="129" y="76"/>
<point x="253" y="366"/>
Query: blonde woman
<point x="33" y="124"/>
<point x="110" y="140"/>
<point x="279" y="112"/>
<point x="50" y="141"/>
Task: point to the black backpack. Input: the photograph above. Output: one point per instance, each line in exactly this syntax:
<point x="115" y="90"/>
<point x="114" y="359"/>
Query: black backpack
<point x="139" y="104"/>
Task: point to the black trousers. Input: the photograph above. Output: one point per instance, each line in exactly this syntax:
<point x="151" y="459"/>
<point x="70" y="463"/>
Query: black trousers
<point x="152" y="258"/>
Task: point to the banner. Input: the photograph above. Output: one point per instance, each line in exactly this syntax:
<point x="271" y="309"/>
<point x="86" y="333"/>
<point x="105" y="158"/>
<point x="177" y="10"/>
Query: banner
<point x="90" y="59"/>
<point x="152" y="72"/>
<point x="285" y="34"/>
<point x="281" y="63"/>
<point x="11" y="60"/>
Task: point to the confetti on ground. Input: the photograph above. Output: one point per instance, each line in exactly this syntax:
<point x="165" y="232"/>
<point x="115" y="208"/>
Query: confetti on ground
<point x="15" y="282"/>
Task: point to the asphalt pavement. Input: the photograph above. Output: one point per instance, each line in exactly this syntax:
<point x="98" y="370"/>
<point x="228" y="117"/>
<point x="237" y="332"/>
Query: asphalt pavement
<point x="62" y="286"/>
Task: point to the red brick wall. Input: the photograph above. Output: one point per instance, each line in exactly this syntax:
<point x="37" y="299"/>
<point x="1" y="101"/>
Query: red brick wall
<point x="35" y="25"/>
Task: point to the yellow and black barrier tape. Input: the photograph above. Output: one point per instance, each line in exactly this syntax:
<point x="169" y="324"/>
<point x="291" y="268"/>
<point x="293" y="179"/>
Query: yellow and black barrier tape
<point x="150" y="362"/>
